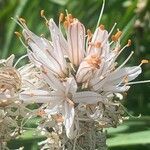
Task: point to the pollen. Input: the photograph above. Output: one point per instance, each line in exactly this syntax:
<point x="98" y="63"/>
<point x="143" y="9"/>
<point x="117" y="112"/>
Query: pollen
<point x="116" y="36"/>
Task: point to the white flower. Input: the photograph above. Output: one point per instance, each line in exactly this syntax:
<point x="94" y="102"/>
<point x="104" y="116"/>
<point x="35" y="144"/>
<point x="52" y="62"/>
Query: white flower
<point x="80" y="74"/>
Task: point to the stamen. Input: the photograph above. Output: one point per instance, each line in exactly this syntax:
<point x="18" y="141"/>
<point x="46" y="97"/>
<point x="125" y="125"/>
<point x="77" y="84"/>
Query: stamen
<point x="112" y="29"/>
<point x="61" y="17"/>
<point x="101" y="13"/>
<point x="144" y="61"/>
<point x="98" y="44"/>
<point x="43" y="16"/>
<point x="138" y="82"/>
<point x="22" y="20"/>
<point x="42" y="13"/>
<point x="22" y="57"/>
<point x="129" y="43"/>
<point x="89" y="34"/>
<point x="125" y="61"/>
<point x="41" y="113"/>
<point x="110" y="34"/>
<point x="66" y="24"/>
<point x="18" y="34"/>
<point x="116" y="36"/>
<point x="94" y="61"/>
<point x="15" y="20"/>
<point x="102" y="27"/>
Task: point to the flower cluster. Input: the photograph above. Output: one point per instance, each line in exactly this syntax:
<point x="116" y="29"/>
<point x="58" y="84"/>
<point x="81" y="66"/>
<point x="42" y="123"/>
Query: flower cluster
<point x="13" y="112"/>
<point x="74" y="77"/>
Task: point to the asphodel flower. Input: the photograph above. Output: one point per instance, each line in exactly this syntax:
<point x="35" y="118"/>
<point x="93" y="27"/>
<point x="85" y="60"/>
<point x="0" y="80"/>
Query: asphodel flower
<point x="81" y="73"/>
<point x="13" y="83"/>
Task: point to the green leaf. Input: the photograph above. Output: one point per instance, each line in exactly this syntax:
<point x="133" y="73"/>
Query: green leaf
<point x="12" y="27"/>
<point x="130" y="139"/>
<point x="60" y="2"/>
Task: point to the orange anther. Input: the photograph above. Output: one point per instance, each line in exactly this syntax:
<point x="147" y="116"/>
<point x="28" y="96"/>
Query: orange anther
<point x="61" y="17"/>
<point x="66" y="24"/>
<point x="129" y="43"/>
<point x="22" y="20"/>
<point x="98" y="45"/>
<point x="102" y="27"/>
<point x="116" y="36"/>
<point x="89" y="34"/>
<point x="42" y="13"/>
<point x="40" y="112"/>
<point x="70" y="16"/>
<point x="144" y="61"/>
<point x="17" y="34"/>
<point x="94" y="61"/>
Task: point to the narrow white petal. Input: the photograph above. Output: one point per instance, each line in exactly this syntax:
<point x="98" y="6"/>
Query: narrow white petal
<point x="76" y="40"/>
<point x="55" y="31"/>
<point x="115" y="89"/>
<point x="130" y="72"/>
<point x="53" y="81"/>
<point x="68" y="120"/>
<point x="10" y="60"/>
<point x="84" y="72"/>
<point x="38" y="96"/>
<point x="87" y="97"/>
<point x="71" y="85"/>
<point x="99" y="36"/>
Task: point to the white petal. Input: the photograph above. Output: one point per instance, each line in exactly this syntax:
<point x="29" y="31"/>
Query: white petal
<point x="53" y="110"/>
<point x="53" y="81"/>
<point x="99" y="36"/>
<point x="10" y="60"/>
<point x="76" y="40"/>
<point x="38" y="96"/>
<point x="55" y="31"/>
<point x="43" y="50"/>
<point x="115" y="89"/>
<point x="57" y="40"/>
<point x="71" y="85"/>
<point x="87" y="97"/>
<point x="68" y="120"/>
<point x="130" y="72"/>
<point x="84" y="72"/>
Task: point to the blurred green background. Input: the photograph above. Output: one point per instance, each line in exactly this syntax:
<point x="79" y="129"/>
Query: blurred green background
<point x="132" y="17"/>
